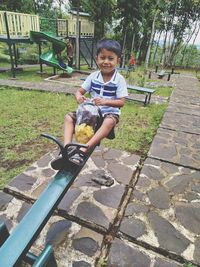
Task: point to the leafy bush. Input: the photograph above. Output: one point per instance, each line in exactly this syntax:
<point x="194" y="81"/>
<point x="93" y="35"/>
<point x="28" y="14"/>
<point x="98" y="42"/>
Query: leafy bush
<point x="29" y="58"/>
<point x="4" y="58"/>
<point x="28" y="54"/>
<point x="4" y="53"/>
<point x="189" y="265"/>
<point x="48" y="26"/>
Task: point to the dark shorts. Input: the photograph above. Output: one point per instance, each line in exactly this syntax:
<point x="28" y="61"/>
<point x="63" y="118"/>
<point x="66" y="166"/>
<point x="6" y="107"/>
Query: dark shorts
<point x="114" y="117"/>
<point x="70" y="62"/>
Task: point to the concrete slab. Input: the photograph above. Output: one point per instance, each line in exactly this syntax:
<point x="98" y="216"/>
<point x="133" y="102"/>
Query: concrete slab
<point x="180" y="97"/>
<point x="78" y="246"/>
<point x="181" y="122"/>
<point x="86" y="200"/>
<point x="176" y="147"/>
<point x="164" y="211"/>
<point x="126" y="254"/>
<point x="187" y="90"/>
<point x="73" y="244"/>
<point x="193" y="110"/>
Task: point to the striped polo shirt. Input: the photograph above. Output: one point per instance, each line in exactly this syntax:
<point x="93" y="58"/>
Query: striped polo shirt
<point x="113" y="89"/>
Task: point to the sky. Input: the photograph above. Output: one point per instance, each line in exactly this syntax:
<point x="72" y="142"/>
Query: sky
<point x="197" y="42"/>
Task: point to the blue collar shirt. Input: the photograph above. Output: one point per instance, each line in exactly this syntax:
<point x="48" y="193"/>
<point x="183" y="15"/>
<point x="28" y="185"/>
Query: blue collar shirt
<point x="114" y="89"/>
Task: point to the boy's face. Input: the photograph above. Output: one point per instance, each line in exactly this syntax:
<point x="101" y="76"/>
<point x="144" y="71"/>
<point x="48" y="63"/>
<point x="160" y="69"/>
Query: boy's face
<point x="107" y="61"/>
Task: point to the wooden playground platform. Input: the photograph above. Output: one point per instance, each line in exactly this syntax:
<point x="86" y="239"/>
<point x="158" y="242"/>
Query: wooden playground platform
<point x="15" y="28"/>
<point x="19" y="25"/>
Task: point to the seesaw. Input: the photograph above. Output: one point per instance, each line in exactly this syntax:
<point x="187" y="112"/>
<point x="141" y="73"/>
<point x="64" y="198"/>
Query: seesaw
<point x="14" y="247"/>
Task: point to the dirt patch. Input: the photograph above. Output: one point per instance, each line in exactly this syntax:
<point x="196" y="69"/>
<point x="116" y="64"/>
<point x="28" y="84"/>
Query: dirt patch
<point x="12" y="164"/>
<point x="39" y="148"/>
<point x="75" y="79"/>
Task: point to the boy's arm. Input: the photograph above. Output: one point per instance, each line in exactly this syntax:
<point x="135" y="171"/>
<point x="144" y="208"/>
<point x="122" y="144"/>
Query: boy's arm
<point x="80" y="95"/>
<point x="118" y="103"/>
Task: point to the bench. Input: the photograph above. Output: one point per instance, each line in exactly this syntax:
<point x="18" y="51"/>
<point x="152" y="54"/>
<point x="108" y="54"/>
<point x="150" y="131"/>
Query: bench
<point x="147" y="91"/>
<point x="161" y="74"/>
<point x="14" y="247"/>
<point x="83" y="78"/>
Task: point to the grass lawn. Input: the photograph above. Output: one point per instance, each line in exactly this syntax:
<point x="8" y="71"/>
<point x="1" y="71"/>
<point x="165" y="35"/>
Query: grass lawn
<point x="26" y="114"/>
<point x="30" y="74"/>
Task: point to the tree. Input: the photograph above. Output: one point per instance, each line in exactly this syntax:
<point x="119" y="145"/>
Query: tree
<point x="40" y="7"/>
<point x="129" y="17"/>
<point x="18" y="6"/>
<point x="44" y="8"/>
<point x="100" y="12"/>
<point x="156" y="11"/>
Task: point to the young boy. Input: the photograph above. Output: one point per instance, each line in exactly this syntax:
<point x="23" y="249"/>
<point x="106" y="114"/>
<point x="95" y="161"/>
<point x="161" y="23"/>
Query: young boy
<point x="69" y="52"/>
<point x="132" y="62"/>
<point x="108" y="89"/>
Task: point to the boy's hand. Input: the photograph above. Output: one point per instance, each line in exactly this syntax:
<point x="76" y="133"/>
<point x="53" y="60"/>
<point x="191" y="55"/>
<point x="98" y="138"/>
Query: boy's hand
<point x="80" y="98"/>
<point x="99" y="101"/>
<point x="118" y="102"/>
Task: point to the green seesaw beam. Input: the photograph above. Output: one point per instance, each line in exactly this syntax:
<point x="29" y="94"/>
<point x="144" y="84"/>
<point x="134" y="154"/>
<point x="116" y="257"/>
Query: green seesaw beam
<point x="15" y="247"/>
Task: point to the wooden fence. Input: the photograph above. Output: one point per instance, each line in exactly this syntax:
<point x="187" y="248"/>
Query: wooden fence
<point x="21" y="24"/>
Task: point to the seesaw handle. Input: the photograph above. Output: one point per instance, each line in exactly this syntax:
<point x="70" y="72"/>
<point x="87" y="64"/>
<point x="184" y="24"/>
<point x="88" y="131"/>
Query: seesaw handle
<point x="64" y="149"/>
<point x="57" y="141"/>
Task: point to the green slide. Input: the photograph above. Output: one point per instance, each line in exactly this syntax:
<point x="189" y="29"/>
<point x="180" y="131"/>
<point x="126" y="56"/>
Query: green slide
<point x="50" y="57"/>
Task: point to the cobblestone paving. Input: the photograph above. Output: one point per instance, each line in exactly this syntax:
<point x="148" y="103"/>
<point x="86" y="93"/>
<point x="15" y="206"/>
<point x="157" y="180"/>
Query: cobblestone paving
<point x="147" y="220"/>
<point x="94" y="204"/>
<point x="166" y="196"/>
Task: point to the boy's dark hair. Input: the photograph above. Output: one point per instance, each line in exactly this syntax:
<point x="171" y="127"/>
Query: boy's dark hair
<point x="110" y="45"/>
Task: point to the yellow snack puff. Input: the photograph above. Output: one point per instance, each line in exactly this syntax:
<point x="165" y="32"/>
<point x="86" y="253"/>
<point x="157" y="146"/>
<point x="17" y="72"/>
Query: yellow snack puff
<point x="83" y="133"/>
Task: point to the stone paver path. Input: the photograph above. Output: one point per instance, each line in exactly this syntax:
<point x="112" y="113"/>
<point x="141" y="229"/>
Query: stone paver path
<point x="147" y="218"/>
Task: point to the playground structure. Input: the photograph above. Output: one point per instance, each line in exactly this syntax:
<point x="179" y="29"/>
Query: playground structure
<point x="15" y="28"/>
<point x="50" y="57"/>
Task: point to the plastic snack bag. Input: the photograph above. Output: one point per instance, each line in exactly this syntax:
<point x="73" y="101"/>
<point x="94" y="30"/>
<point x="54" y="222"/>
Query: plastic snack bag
<point x="87" y="117"/>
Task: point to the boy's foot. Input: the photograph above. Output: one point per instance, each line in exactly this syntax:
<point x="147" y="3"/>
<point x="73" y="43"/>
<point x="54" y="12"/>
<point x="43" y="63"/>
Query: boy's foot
<point x="78" y="158"/>
<point x="69" y="158"/>
<point x="62" y="163"/>
<point x="58" y="163"/>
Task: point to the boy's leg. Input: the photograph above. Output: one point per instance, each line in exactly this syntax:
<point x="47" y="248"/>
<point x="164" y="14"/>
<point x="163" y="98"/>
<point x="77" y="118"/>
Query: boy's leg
<point x="70" y="62"/>
<point x="103" y="131"/>
<point x="69" y="124"/>
<point x="108" y="123"/>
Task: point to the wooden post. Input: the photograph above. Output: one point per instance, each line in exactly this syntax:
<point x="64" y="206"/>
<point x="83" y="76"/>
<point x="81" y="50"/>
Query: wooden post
<point x="92" y="53"/>
<point x="10" y="47"/>
<point x="56" y="27"/>
<point x="67" y="28"/>
<point x="40" y="52"/>
<point x="149" y="74"/>
<point x="15" y="56"/>
<point x="77" y="37"/>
